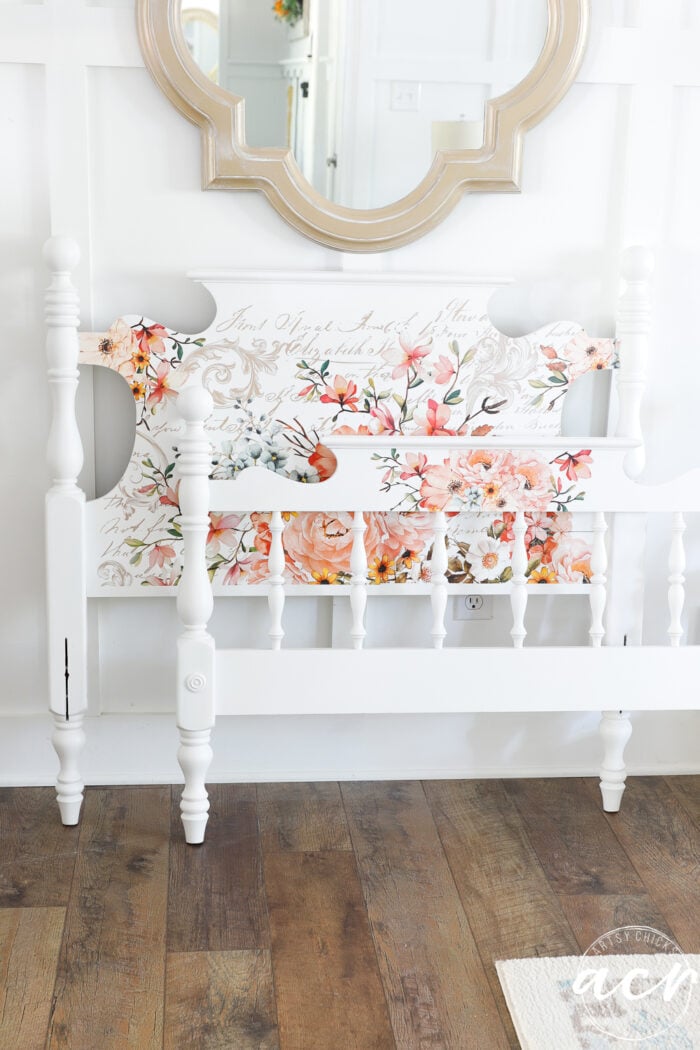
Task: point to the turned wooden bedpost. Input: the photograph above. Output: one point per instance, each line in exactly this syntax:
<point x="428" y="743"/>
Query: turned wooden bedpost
<point x="633" y="328"/>
<point x="626" y="595"/>
<point x="65" y="530"/>
<point x="615" y="731"/>
<point x="195" y="602"/>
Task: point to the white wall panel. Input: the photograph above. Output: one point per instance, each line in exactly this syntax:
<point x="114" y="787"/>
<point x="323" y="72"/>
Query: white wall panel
<point x="24" y="222"/>
<point x="152" y="222"/>
<point x="141" y="748"/>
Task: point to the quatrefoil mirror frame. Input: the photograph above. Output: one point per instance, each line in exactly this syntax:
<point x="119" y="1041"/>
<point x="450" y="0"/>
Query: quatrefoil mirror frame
<point x="228" y="163"/>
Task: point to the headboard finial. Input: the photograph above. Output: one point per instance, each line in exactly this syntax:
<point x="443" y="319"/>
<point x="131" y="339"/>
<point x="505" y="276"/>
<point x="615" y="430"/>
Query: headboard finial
<point x="637" y="263"/>
<point x="61" y="254"/>
<point x="633" y="328"/>
<point x="195" y="404"/>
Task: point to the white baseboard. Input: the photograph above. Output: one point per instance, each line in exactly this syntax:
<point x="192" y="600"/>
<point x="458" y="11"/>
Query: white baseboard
<point x="140" y="748"/>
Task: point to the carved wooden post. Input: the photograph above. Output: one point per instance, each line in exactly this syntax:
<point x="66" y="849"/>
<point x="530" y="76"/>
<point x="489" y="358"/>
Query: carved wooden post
<point x="65" y="530"/>
<point x="676" y="580"/>
<point x="518" y="594"/>
<point x="358" y="580"/>
<point x="599" y="566"/>
<point x="626" y="539"/>
<point x="438" y="595"/>
<point x="195" y="647"/>
<point x="615" y="731"/>
<point x="633" y="327"/>
<point x="275" y="595"/>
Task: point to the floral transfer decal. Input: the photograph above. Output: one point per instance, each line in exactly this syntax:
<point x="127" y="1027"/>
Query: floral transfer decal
<point x="443" y="391"/>
<point x="399" y="546"/>
<point x="485" y="480"/>
<point x="145" y="354"/>
<point x="276" y="405"/>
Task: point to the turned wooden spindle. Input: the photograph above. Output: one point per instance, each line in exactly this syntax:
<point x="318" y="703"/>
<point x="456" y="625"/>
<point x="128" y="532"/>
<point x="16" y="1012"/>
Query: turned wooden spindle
<point x="598" y="592"/>
<point x="518" y="593"/>
<point x="633" y="329"/>
<point x="438" y="592"/>
<point x="65" y="530"/>
<point x="195" y="603"/>
<point x="676" y="580"/>
<point x="358" y="580"/>
<point x="275" y="594"/>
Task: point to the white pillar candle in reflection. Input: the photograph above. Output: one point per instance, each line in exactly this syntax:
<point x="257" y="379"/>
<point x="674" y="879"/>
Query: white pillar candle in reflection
<point x="457" y="134"/>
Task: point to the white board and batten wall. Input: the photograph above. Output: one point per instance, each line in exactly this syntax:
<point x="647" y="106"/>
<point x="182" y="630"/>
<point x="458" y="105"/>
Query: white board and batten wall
<point x="91" y="148"/>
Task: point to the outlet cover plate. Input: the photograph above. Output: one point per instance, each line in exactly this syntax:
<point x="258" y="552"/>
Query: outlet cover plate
<point x="462" y="610"/>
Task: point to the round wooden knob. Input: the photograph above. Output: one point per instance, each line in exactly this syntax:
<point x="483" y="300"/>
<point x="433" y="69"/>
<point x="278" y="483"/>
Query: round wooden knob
<point x="61" y="254"/>
<point x="637" y="263"/>
<point x="195" y="682"/>
<point x="195" y="404"/>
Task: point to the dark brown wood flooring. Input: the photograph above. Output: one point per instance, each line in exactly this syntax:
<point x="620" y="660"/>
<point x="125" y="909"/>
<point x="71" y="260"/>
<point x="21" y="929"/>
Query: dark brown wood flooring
<point x="365" y="916"/>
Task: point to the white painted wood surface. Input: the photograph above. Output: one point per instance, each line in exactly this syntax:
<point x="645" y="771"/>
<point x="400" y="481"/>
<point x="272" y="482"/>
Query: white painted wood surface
<point x="438" y="590"/>
<point x="65" y="530"/>
<point x="68" y="739"/>
<point x="275" y="595"/>
<point x="518" y="594"/>
<point x="283" y="685"/>
<point x="676" y="580"/>
<point x="633" y="327"/>
<point x="358" y="583"/>
<point x="195" y="647"/>
<point x="615" y="731"/>
<point x="599" y="565"/>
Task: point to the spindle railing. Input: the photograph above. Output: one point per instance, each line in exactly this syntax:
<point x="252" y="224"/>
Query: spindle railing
<point x="439" y="588"/>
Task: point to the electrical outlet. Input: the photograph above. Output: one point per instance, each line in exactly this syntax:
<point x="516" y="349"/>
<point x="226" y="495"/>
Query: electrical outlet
<point x="473" y="607"/>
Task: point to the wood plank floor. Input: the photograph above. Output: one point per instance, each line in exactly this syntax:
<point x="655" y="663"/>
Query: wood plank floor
<point x="368" y="916"/>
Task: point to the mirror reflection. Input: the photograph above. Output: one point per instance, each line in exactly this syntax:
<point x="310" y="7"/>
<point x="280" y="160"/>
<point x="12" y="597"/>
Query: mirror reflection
<point x="364" y="91"/>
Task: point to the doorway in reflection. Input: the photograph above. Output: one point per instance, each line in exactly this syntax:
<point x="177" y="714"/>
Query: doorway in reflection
<point x="364" y="91"/>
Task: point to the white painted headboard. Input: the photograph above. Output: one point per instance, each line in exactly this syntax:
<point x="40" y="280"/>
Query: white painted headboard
<point x="389" y="437"/>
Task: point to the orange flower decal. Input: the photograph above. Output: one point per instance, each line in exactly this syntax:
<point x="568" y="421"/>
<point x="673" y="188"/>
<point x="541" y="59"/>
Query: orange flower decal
<point x="381" y="569"/>
<point x="543" y="574"/>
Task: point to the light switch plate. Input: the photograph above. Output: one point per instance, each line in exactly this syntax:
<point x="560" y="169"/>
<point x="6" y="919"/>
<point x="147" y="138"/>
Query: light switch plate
<point x="405" y="96"/>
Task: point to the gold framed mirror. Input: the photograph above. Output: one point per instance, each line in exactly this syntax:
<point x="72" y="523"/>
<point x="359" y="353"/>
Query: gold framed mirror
<point x="297" y="171"/>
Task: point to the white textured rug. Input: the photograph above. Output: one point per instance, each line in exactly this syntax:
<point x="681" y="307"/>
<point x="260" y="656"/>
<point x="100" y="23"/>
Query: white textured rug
<point x="610" y="1002"/>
